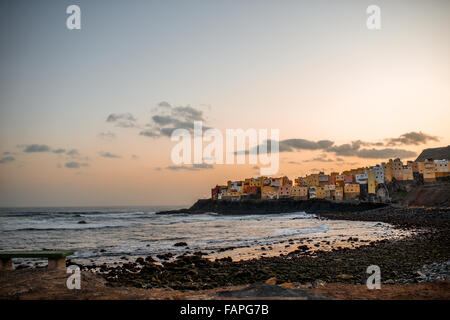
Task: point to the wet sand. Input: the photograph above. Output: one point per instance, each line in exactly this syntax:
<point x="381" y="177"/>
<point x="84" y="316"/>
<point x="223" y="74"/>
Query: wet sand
<point x="37" y="284"/>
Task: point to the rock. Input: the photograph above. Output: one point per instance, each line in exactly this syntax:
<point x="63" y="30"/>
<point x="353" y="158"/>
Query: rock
<point x="165" y="256"/>
<point x="82" y="222"/>
<point x="344" y="276"/>
<point x="318" y="283"/>
<point x="288" y="285"/>
<point x="150" y="259"/>
<point x="180" y="244"/>
<point x="272" y="281"/>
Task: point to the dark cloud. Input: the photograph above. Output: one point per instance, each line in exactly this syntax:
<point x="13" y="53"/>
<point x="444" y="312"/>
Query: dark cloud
<point x="29" y="148"/>
<point x="123" y="120"/>
<point x="290" y="145"/>
<point x="319" y="160"/>
<point x="150" y="133"/>
<point x="166" y="119"/>
<point x="108" y="135"/>
<point x="348" y="149"/>
<point x="352" y="149"/>
<point x="302" y="144"/>
<point x="7" y="159"/>
<point x="411" y="138"/>
<point x="108" y="155"/>
<point x="75" y="165"/>
<point x="34" y="148"/>
<point x="194" y="167"/>
<point x="385" y="153"/>
<point x="73" y="153"/>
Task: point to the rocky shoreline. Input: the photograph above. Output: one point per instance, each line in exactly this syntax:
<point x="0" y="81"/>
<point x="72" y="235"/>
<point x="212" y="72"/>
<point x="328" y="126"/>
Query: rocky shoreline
<point x="401" y="261"/>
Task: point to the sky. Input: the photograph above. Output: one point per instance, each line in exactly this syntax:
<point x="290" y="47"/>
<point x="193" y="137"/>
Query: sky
<point x="86" y="115"/>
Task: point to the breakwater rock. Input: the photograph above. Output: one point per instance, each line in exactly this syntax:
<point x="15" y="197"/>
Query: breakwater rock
<point x="275" y="206"/>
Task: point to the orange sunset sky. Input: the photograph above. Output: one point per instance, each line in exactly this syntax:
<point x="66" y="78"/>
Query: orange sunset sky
<point x="86" y="114"/>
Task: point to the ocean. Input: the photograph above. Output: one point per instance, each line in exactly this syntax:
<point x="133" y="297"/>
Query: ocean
<point x="117" y="234"/>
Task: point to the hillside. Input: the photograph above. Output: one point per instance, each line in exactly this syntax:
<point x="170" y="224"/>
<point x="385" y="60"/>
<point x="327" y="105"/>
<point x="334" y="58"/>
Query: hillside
<point x="435" y="154"/>
<point x="432" y="195"/>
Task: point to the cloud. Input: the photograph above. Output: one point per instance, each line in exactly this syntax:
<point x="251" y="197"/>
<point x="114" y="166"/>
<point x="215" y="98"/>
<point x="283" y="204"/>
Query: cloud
<point x="30" y="148"/>
<point x="319" y="160"/>
<point x="108" y="155"/>
<point x="35" y="148"/>
<point x="411" y="138"/>
<point x="123" y="120"/>
<point x="108" y="135"/>
<point x="385" y="153"/>
<point x="167" y="118"/>
<point x="290" y="145"/>
<point x="347" y="149"/>
<point x="302" y="144"/>
<point x="73" y="153"/>
<point x="75" y="165"/>
<point x="194" y="167"/>
<point x="352" y="149"/>
<point x="7" y="159"/>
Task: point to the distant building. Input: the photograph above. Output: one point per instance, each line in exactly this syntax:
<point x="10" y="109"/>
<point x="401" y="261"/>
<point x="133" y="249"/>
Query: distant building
<point x="441" y="168"/>
<point x="379" y="175"/>
<point x="371" y="181"/>
<point x="312" y="180"/>
<point x="351" y="191"/>
<point x="361" y="178"/>
<point x="284" y="192"/>
<point x="323" y="179"/>
<point x="339" y="193"/>
<point x="349" y="179"/>
<point x="299" y="192"/>
<point x="407" y="173"/>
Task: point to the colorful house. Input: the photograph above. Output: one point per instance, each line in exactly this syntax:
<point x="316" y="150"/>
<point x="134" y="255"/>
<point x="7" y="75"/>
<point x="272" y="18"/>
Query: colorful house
<point x="299" y="192"/>
<point x="351" y="191"/>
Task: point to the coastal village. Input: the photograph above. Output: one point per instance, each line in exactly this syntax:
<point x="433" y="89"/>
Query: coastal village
<point x="366" y="183"/>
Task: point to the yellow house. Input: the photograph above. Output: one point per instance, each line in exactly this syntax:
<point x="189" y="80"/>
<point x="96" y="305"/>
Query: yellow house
<point x="320" y="193"/>
<point x="255" y="182"/>
<point x="371" y="182"/>
<point x="339" y="193"/>
<point x="429" y="174"/>
<point x="407" y="173"/>
<point x="299" y="192"/>
<point x="351" y="190"/>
